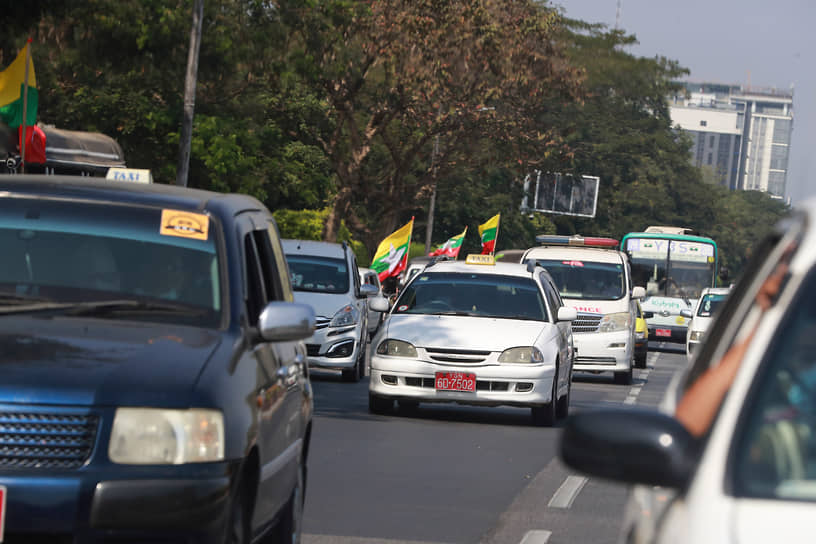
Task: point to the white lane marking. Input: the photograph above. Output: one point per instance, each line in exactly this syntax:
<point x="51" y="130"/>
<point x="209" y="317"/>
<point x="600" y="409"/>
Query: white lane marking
<point x="536" y="537"/>
<point x="566" y="494"/>
<point x="630" y="400"/>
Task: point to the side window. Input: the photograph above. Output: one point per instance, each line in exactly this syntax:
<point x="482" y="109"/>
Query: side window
<point x="256" y="289"/>
<point x="553" y="300"/>
<point x="355" y="274"/>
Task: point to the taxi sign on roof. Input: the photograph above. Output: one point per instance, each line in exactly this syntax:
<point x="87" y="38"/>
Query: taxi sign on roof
<point x="480" y="259"/>
<point x="130" y="174"/>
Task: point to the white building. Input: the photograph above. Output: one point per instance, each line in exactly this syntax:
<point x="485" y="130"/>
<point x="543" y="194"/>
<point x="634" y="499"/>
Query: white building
<point x="742" y="135"/>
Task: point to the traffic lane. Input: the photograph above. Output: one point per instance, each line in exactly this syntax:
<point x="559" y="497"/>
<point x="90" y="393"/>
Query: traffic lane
<point x="439" y="473"/>
<point x="567" y="506"/>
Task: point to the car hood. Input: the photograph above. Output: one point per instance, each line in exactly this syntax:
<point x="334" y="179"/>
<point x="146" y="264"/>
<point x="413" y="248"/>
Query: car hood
<point x="463" y="332"/>
<point x="757" y="521"/>
<point x="324" y="304"/>
<point x="84" y="362"/>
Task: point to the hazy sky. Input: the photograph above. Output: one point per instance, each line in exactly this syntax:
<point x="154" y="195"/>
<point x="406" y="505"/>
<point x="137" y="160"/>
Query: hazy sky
<point x="761" y="42"/>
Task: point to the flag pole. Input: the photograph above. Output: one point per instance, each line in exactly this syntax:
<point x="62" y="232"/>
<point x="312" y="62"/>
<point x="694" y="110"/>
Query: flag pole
<point x="25" y="106"/>
<point x="410" y="235"/>
<point x="496" y="240"/>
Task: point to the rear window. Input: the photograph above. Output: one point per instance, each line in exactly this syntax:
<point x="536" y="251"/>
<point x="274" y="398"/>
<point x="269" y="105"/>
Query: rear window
<point x="318" y="274"/>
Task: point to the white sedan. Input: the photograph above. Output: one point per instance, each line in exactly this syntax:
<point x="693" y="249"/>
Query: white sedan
<point x="483" y="334"/>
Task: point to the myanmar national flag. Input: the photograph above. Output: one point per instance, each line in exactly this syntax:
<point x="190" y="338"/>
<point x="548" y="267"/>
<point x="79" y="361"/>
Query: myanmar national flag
<point x="392" y="253"/>
<point x="451" y="247"/>
<point x="12" y="83"/>
<point x="488" y="232"/>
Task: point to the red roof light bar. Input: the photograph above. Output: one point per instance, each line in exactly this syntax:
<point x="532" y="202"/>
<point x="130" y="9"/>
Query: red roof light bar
<point x="589" y="241"/>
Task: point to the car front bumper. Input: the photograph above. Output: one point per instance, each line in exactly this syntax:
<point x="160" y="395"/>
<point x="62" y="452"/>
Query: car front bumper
<point x="603" y="351"/>
<point x="511" y="385"/>
<point x="326" y="347"/>
<point x="185" y="504"/>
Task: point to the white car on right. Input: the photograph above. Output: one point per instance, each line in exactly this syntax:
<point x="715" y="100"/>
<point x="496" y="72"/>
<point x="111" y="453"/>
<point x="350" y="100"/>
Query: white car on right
<point x="704" y="310"/>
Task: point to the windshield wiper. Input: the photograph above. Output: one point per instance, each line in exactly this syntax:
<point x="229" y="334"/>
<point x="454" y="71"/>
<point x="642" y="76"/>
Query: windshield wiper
<point x="128" y="305"/>
<point x="457" y="312"/>
<point x="16" y="299"/>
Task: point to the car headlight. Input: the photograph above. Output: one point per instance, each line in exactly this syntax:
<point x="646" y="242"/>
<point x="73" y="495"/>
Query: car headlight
<point x="152" y="436"/>
<point x="529" y="354"/>
<point x="695" y="336"/>
<point x="345" y="316"/>
<point x="396" y="348"/>
<point x="640" y="335"/>
<point x="615" y="322"/>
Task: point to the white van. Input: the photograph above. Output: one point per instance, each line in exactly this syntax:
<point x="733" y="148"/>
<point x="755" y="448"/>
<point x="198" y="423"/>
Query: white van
<point x="594" y="277"/>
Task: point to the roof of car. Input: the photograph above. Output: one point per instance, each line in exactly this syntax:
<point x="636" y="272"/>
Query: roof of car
<point x="461" y="267"/>
<point x="313" y="247"/>
<point x="104" y="190"/>
<point x="715" y="291"/>
<point x="593" y="254"/>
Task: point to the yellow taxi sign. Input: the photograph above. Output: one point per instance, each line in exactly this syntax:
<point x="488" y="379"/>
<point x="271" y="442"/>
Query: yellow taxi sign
<point x="480" y="259"/>
<point x="130" y="174"/>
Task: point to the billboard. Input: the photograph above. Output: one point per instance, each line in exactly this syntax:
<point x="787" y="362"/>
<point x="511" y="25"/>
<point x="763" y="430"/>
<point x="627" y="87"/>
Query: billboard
<point x="563" y="194"/>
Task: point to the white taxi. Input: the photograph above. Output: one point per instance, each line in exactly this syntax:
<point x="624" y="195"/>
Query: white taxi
<point x="476" y="332"/>
<point x="594" y="278"/>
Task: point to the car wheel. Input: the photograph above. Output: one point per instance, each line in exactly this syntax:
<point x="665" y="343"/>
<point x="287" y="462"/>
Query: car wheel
<point x="288" y="530"/>
<point x="379" y="405"/>
<point x="544" y="416"/>
<point x="562" y="406"/>
<point x="238" y="527"/>
<point x="624" y="378"/>
<point x="640" y="360"/>
<point x="356" y="373"/>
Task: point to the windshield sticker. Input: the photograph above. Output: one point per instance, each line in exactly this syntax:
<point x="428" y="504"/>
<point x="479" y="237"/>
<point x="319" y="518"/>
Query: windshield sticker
<point x="572" y="263"/>
<point x="184" y="224"/>
<point x="402" y="308"/>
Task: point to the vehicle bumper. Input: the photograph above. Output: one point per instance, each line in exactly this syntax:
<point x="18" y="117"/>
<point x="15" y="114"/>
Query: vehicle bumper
<point x="512" y="385"/>
<point x="602" y="351"/>
<point x="326" y="347"/>
<point x="676" y="335"/>
<point x="116" y="503"/>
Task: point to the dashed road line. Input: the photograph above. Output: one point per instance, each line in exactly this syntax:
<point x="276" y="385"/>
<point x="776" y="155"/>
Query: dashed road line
<point x="564" y="497"/>
<point x="536" y="537"/>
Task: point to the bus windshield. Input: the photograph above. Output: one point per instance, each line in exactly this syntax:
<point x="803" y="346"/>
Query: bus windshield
<point x="671" y="267"/>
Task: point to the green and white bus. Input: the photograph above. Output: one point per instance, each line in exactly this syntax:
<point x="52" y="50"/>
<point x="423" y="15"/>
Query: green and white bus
<point x="674" y="267"/>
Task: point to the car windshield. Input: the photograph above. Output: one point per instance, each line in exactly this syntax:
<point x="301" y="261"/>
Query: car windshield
<point x="318" y="274"/>
<point x="62" y="252"/>
<point x="482" y="295"/>
<point x="585" y="280"/>
<point x="709" y="305"/>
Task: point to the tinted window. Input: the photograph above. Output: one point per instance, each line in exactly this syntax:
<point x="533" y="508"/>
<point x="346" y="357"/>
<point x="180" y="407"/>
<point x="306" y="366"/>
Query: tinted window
<point x="481" y="295"/>
<point x="318" y="274"/>
<point x="709" y="304"/>
<point x="586" y="280"/>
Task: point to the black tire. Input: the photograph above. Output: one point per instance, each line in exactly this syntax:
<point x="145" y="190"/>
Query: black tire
<point x="624" y="378"/>
<point x="356" y="373"/>
<point x="379" y="405"/>
<point x="562" y="406"/>
<point x="640" y="360"/>
<point x="290" y="526"/>
<point x="544" y="416"/>
<point x="238" y="530"/>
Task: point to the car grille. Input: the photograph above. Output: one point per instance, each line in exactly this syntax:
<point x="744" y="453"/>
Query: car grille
<point x="312" y="350"/>
<point x="457" y="355"/>
<point x="586" y="323"/>
<point x="596" y="361"/>
<point x="321" y="323"/>
<point x="45" y="441"/>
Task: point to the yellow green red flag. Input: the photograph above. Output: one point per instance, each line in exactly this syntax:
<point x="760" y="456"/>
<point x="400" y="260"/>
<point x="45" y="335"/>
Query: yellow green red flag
<point x="392" y="253"/>
<point x="488" y="231"/>
<point x="12" y="89"/>
<point x="451" y="247"/>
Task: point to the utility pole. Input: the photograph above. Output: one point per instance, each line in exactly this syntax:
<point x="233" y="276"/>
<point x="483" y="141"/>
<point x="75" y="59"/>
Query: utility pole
<point x="432" y="205"/>
<point x="618" y="15"/>
<point x="189" y="95"/>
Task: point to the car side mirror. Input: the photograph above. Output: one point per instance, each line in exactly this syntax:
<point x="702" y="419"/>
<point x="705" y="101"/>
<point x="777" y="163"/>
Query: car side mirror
<point x="368" y="290"/>
<point x="379" y="304"/>
<point x="648" y="315"/>
<point x="638" y="293"/>
<point x="286" y="321"/>
<point x="685" y="312"/>
<point x="567" y="314"/>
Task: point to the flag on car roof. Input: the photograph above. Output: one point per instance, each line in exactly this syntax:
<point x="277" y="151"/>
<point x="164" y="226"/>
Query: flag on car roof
<point x="488" y="231"/>
<point x="451" y="247"/>
<point x="392" y="253"/>
<point x="13" y="88"/>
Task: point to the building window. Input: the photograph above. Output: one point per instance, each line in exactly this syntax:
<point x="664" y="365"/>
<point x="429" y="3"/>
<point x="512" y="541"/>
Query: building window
<point x="703" y="123"/>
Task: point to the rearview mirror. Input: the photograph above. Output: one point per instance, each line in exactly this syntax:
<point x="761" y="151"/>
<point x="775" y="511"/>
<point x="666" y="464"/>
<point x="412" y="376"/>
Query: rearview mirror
<point x="685" y="312"/>
<point x="567" y="314"/>
<point x="648" y="315"/>
<point x="368" y="290"/>
<point x="638" y="293"/>
<point x="379" y="304"/>
<point x="286" y="321"/>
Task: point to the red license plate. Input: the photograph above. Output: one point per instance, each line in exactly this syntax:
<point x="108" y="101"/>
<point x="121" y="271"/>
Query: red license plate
<point x="663" y="332"/>
<point x="455" y="381"/>
<point x="2" y="510"/>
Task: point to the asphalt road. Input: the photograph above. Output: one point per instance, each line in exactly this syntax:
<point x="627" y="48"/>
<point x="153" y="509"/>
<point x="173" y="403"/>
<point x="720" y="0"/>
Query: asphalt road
<point x="450" y="474"/>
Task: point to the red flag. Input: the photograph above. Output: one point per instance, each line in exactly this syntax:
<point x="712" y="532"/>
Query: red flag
<point x="35" y="144"/>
